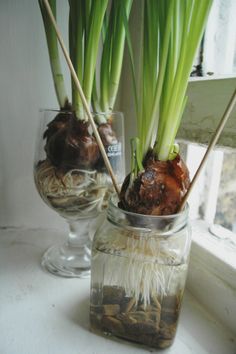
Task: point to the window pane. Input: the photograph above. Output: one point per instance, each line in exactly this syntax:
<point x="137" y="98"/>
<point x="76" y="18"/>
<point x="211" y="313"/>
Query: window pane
<point x="213" y="198"/>
<point x="226" y="201"/>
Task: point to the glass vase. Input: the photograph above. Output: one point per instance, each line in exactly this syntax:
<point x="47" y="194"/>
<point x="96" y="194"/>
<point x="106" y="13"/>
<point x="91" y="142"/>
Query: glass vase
<point x="72" y="179"/>
<point x="138" y="272"/>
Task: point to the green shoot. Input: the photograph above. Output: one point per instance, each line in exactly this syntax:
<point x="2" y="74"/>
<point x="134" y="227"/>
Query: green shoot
<point x="96" y="30"/>
<point x="76" y="32"/>
<point x="96" y="17"/>
<point x="114" y="32"/>
<point x="53" y="52"/>
<point x="171" y="33"/>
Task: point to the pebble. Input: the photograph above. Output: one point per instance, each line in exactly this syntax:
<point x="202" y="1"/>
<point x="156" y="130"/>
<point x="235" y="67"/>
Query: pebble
<point x="154" y="324"/>
<point x="113" y="294"/>
<point x="110" y="310"/>
<point x="112" y="324"/>
<point x="128" y="304"/>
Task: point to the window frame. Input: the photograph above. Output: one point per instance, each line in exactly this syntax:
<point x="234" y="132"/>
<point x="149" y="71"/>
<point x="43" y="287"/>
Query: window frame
<point x="207" y="100"/>
<point x="212" y="268"/>
<point x="212" y="273"/>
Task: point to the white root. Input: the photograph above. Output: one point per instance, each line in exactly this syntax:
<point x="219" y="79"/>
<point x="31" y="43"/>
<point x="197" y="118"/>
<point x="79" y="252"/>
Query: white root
<point x="79" y="190"/>
<point x="141" y="265"/>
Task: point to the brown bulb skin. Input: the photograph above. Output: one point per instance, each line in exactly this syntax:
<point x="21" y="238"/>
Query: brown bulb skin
<point x="158" y="190"/>
<point x="69" y="144"/>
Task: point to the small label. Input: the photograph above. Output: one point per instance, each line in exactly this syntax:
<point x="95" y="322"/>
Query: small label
<point x="114" y="150"/>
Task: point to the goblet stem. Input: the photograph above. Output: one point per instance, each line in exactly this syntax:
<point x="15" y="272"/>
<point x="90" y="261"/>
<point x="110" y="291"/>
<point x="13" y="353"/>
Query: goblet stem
<point x="79" y="233"/>
<point x="72" y="259"/>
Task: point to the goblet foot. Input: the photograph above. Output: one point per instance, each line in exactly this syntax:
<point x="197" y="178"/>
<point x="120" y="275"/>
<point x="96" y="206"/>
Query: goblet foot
<point x="67" y="261"/>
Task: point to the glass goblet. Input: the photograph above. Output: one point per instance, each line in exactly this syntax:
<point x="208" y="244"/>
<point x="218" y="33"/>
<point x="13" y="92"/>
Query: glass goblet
<point x="72" y="179"/>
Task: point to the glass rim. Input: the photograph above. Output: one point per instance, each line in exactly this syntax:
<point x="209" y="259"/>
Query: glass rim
<point x="41" y="109"/>
<point x="182" y="213"/>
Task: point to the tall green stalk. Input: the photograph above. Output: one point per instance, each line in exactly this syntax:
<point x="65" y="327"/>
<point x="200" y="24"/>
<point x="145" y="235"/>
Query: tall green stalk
<point x="173" y="107"/>
<point x="114" y="34"/>
<point x="97" y="14"/>
<point x="172" y="30"/>
<point x="53" y="52"/>
<point x="96" y="29"/>
<point x="117" y="48"/>
<point x="76" y="33"/>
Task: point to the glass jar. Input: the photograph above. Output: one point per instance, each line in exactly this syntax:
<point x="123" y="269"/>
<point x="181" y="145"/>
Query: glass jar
<point x="138" y="272"/>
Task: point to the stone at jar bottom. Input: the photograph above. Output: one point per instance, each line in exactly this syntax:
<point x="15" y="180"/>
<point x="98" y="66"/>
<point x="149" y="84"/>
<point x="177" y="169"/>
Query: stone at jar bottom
<point x="153" y="324"/>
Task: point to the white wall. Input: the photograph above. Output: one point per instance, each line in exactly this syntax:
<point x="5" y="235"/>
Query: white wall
<point x="25" y="86"/>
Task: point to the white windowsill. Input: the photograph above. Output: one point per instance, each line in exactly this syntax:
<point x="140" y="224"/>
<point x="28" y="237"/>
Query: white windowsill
<point x="220" y="252"/>
<point x="44" y="314"/>
<point x="212" y="77"/>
